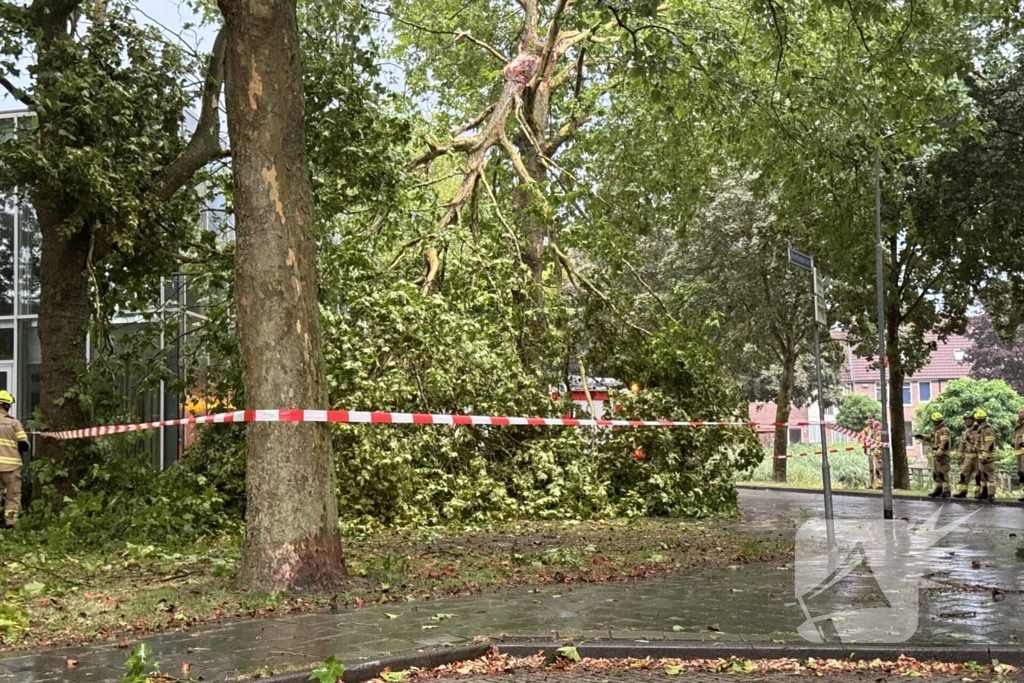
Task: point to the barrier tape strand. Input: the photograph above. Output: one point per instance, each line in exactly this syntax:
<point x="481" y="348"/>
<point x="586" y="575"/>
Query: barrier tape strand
<point x="444" y="419"/>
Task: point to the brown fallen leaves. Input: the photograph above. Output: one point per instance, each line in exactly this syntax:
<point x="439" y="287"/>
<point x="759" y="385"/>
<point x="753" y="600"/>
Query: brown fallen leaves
<point x="495" y="663"/>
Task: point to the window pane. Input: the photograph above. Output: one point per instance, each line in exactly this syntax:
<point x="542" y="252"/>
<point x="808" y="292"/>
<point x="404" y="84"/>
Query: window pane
<point x="7" y="340"/>
<point x="6" y="129"/>
<point x="925" y="391"/>
<point x="29" y="361"/>
<point x="27" y="125"/>
<point x="908" y="432"/>
<point x="906" y="394"/>
<point x="29" y="249"/>
<point x="795" y="435"/>
<point x="7" y="209"/>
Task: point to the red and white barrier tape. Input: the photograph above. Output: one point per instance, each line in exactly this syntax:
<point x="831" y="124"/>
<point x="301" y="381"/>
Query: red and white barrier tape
<point x="809" y="453"/>
<point x="362" y="417"/>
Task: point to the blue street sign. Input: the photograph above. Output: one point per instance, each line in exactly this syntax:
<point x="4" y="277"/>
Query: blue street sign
<point x="800" y="259"/>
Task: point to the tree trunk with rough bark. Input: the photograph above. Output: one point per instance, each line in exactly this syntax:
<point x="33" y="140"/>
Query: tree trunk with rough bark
<point x="291" y="535"/>
<point x="782" y="401"/>
<point x="897" y="428"/>
<point x="64" y="315"/>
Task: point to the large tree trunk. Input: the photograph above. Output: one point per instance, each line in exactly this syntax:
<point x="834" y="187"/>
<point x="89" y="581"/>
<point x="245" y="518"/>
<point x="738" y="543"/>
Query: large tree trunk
<point x="897" y="430"/>
<point x="63" y="320"/>
<point x="291" y="535"/>
<point x="524" y="202"/>
<point x="782" y="401"/>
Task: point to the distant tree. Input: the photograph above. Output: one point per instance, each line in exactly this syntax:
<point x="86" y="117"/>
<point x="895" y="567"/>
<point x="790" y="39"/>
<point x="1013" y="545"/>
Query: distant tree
<point x="856" y="409"/>
<point x="994" y="396"/>
<point x="735" y="253"/>
<point x="993" y="357"/>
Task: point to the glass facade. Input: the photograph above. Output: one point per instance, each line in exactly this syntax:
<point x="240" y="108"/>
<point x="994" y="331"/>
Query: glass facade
<point x="20" y="356"/>
<point x="19" y="287"/>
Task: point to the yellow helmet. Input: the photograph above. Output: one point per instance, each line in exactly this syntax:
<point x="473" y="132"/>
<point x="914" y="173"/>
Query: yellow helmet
<point x="980" y="414"/>
<point x="5" y="397"/>
<point x="937" y="417"/>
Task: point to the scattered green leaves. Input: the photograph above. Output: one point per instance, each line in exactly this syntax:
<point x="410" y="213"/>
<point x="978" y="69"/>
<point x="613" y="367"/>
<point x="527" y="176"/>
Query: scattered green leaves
<point x="330" y="671"/>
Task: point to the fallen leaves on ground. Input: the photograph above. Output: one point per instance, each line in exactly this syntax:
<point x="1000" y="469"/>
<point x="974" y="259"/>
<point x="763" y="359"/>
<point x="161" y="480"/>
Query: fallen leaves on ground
<point x="496" y="663"/>
<point x="131" y="592"/>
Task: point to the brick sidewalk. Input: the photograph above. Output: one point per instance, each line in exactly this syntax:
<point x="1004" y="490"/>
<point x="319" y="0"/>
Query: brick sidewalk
<point x="750" y="603"/>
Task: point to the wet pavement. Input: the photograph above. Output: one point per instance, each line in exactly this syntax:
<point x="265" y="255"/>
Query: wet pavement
<point x="974" y="596"/>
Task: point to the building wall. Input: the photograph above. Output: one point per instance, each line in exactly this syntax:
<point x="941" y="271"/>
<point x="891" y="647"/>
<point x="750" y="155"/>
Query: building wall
<point x="915" y="450"/>
<point x="20" y="246"/>
<point x="764" y="415"/>
<point x="20" y="357"/>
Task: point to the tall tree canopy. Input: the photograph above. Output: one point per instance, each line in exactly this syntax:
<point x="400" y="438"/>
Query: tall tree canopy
<point x="104" y="172"/>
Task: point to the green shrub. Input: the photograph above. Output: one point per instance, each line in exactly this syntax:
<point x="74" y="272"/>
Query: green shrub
<point x="994" y="396"/>
<point x="848" y="469"/>
<point x="125" y="500"/>
<point x="856" y="409"/>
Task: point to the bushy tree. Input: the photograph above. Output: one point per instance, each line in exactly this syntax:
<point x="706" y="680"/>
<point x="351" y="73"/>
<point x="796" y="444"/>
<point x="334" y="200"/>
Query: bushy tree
<point x="965" y="395"/>
<point x="107" y="171"/>
<point x="856" y="409"/>
<point x="993" y="356"/>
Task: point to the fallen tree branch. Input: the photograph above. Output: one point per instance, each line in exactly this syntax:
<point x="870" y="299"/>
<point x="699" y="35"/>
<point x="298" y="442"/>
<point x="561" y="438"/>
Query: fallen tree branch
<point x="650" y="291"/>
<point x="579" y="277"/>
<point x="517" y="160"/>
<point x="501" y="217"/>
<point x="477" y="120"/>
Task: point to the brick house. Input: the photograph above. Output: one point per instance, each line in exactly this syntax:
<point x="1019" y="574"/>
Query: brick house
<point x="948" y="362"/>
<point x="763" y="414"/>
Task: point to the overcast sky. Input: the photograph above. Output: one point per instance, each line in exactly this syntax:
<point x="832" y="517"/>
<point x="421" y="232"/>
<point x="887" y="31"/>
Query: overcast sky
<point x="169" y="15"/>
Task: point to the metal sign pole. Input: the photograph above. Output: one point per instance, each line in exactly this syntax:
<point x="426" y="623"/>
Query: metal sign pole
<point x="801" y="260"/>
<point x="826" y="474"/>
<point x="883" y="393"/>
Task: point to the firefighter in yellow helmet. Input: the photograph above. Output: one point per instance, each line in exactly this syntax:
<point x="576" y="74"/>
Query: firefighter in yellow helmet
<point x="13" y="442"/>
<point x="940" y="444"/>
<point x="986" y="443"/>
<point x="1018" y="447"/>
<point x="968" y="457"/>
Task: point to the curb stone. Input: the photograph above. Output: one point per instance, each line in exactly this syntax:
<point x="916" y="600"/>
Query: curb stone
<point x="632" y="649"/>
<point x="625" y="649"/>
<point x="869" y="494"/>
<point x="421" y="659"/>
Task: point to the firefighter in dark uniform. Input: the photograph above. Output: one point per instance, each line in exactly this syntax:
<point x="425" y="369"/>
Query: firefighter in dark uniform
<point x="940" y="446"/>
<point x="986" y="441"/>
<point x="968" y="458"/>
<point x="13" y="442"/>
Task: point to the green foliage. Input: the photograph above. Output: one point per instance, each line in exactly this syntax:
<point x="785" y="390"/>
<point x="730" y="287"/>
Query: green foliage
<point x="14" y="619"/>
<point x="140" y="665"/>
<point x="855" y="411"/>
<point x="124" y="499"/>
<point x="966" y="395"/>
<point x="462" y="348"/>
<point x="848" y="469"/>
<point x="330" y="671"/>
<point x="569" y="653"/>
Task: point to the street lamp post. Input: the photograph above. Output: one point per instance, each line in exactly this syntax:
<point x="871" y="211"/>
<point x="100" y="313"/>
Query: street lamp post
<point x="883" y="393"/>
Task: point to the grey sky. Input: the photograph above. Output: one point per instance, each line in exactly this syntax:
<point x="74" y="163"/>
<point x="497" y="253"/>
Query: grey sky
<point x="169" y="15"/>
